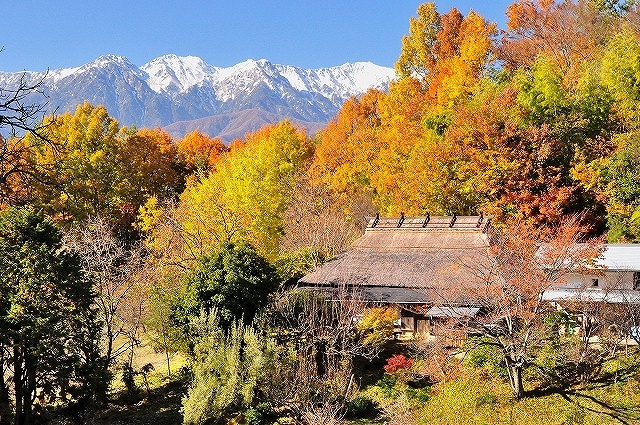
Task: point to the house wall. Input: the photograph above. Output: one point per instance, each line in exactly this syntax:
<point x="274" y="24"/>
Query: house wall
<point x="609" y="280"/>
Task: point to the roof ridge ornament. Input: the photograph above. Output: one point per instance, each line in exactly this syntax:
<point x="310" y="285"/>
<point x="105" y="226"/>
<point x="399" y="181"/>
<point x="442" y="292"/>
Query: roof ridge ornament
<point x="401" y="219"/>
<point x="427" y="219"/>
<point x="453" y="220"/>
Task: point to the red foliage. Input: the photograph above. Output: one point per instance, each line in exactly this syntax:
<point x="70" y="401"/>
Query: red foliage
<point x="397" y="362"/>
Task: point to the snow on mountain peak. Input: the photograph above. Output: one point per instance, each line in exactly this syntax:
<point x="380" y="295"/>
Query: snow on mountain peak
<point x="172" y="73"/>
<point x="178" y="74"/>
<point x="105" y="60"/>
<point x="173" y="88"/>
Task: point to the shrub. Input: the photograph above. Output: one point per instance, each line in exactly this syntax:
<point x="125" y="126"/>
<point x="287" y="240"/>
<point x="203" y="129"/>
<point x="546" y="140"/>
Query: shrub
<point x="486" y="398"/>
<point x="386" y="385"/>
<point x="420" y="395"/>
<point x="361" y="406"/>
<point x="376" y="326"/>
<point x="397" y="363"/>
<point x="488" y="357"/>
<point x="226" y="368"/>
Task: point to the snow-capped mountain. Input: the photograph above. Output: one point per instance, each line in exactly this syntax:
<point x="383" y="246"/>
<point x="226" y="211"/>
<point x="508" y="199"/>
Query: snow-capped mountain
<point x="186" y="93"/>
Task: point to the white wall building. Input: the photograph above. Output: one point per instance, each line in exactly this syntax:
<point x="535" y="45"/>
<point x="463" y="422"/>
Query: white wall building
<point x="615" y="278"/>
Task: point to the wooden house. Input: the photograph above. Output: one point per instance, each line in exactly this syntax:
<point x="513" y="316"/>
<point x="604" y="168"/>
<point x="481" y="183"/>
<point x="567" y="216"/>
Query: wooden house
<point x="412" y="263"/>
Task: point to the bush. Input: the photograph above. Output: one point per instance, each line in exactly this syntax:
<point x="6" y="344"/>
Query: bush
<point x="486" y="398"/>
<point x="397" y="363"/>
<point x="254" y="417"/>
<point x="361" y="406"/>
<point x="420" y="395"/>
<point x="226" y="368"/>
<point x="387" y="385"/>
<point x="376" y="326"/>
<point x="488" y="357"/>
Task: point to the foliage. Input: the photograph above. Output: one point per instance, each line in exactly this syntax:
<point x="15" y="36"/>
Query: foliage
<point x="377" y="325"/>
<point x="529" y="141"/>
<point x="226" y="369"/>
<point x="480" y="399"/>
<point x="486" y="356"/>
<point x="235" y="281"/>
<point x="243" y="199"/>
<point x="515" y="275"/>
<point x="397" y="363"/>
<point x="48" y="326"/>
<point x="199" y="153"/>
<point x="100" y="169"/>
<point x="361" y="406"/>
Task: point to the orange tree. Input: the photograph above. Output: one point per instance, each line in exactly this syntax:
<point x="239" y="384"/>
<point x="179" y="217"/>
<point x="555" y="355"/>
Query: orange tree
<point x="519" y="266"/>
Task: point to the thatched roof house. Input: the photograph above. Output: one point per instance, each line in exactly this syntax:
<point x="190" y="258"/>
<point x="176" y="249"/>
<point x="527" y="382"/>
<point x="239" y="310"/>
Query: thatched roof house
<point x="411" y="262"/>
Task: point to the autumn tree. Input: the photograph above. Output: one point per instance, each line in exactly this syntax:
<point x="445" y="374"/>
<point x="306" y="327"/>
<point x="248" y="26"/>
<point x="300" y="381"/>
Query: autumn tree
<point x="447" y="53"/>
<point x="102" y="169"/>
<point x="244" y="199"/>
<point x="515" y="274"/>
<point x="349" y="145"/>
<point x="568" y="33"/>
<point x="200" y="152"/>
<point x="20" y="114"/>
<point x="380" y="143"/>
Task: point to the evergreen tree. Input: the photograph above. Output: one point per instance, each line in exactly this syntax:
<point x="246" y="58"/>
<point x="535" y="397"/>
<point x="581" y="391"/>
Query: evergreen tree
<point x="48" y="328"/>
<point x="235" y="280"/>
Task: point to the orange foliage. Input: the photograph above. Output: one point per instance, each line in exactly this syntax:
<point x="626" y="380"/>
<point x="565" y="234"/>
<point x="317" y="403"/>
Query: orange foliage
<point x="569" y="33"/>
<point x="16" y="166"/>
<point x="200" y="152"/>
<point x="149" y="157"/>
<point x="349" y="144"/>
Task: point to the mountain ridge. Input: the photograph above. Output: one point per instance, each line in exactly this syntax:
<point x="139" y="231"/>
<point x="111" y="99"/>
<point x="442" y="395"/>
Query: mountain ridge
<point x="188" y="92"/>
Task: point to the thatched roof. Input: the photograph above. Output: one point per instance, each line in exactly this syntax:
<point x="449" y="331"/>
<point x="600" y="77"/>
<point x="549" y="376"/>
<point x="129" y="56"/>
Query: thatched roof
<point x="409" y="260"/>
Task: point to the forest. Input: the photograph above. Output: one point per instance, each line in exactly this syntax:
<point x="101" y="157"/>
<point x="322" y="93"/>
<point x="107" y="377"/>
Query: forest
<point x="132" y="263"/>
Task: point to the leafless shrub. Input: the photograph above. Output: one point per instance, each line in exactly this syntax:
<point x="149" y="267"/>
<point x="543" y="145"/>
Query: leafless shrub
<point x="115" y="269"/>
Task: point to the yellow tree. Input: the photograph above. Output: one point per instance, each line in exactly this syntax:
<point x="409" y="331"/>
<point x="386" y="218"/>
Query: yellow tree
<point x="84" y="171"/>
<point x="100" y="169"/>
<point x="244" y="198"/>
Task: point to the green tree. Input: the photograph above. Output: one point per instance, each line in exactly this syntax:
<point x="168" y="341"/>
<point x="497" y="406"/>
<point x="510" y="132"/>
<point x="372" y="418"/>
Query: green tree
<point x="166" y="336"/>
<point x="235" y="280"/>
<point x="227" y="367"/>
<point x="621" y="173"/>
<point x="48" y="327"/>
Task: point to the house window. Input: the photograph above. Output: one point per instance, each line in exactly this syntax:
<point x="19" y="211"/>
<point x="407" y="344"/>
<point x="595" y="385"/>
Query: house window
<point x="594" y="283"/>
<point x="636" y="281"/>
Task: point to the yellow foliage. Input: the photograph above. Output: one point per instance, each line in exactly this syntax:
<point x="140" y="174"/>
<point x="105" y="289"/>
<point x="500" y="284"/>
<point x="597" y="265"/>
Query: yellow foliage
<point x="244" y="197"/>
<point x="377" y="324"/>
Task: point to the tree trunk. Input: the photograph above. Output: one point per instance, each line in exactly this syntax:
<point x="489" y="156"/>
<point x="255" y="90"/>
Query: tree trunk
<point x="5" y="405"/>
<point x="515" y="378"/>
<point x="18" y="418"/>
<point x="29" y="394"/>
<point x="168" y="362"/>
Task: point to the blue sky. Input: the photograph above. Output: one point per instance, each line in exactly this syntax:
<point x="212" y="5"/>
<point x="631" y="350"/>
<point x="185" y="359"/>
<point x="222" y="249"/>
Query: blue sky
<point x="44" y="34"/>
